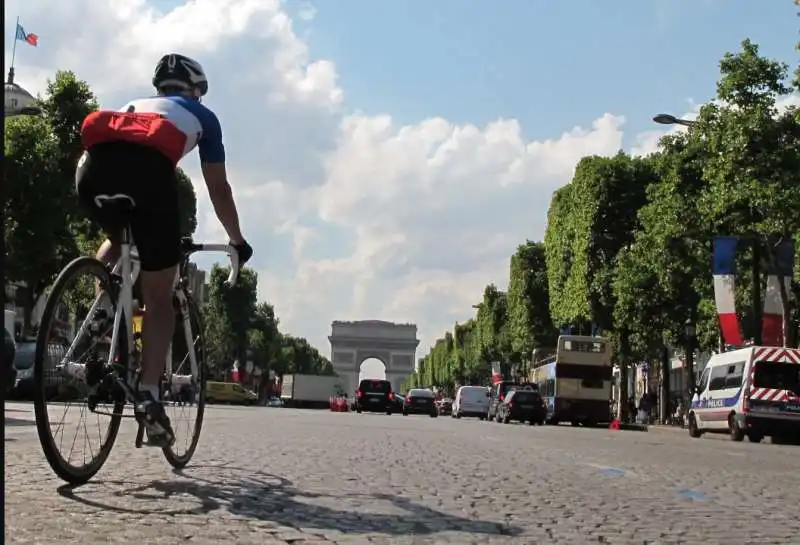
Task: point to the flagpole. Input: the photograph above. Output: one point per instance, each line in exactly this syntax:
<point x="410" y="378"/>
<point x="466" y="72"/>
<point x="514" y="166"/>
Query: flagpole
<point x="13" y="54"/>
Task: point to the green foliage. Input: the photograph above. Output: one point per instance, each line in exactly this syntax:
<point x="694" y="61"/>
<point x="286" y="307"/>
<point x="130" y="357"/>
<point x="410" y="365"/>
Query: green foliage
<point x="628" y="240"/>
<point x="36" y="232"/>
<point x="187" y="200"/>
<point x="237" y="327"/>
<point x="529" y="322"/>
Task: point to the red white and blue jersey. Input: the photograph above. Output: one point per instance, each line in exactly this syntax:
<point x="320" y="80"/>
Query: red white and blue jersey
<point x="174" y="125"/>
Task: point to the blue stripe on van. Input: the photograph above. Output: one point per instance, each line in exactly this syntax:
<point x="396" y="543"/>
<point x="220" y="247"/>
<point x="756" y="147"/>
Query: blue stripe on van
<point x="718" y="403"/>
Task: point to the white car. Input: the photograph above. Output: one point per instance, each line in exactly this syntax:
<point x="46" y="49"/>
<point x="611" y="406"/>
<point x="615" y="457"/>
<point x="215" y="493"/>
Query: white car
<point x="471" y="401"/>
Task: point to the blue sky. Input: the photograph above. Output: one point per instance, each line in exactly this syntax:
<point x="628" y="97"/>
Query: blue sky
<point x="373" y="177"/>
<point x="549" y="64"/>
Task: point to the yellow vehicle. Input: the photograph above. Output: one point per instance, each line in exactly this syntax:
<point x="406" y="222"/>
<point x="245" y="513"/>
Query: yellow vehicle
<point x="229" y="392"/>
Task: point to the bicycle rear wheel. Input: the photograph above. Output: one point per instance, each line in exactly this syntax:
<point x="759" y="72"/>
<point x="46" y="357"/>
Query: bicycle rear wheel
<point x="186" y="398"/>
<point x="53" y="377"/>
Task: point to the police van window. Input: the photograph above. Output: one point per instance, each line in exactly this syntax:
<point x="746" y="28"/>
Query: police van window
<point x="704" y="379"/>
<point x="735" y="375"/>
<point x="717" y="378"/>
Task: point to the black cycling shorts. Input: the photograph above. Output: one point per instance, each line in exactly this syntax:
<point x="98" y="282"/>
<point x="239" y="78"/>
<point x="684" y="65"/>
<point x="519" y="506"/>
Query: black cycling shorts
<point x="147" y="176"/>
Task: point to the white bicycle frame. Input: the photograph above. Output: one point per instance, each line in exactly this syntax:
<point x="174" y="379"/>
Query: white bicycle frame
<point x="128" y="267"/>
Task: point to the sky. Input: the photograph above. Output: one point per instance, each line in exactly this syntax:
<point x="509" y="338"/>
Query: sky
<point x="388" y="157"/>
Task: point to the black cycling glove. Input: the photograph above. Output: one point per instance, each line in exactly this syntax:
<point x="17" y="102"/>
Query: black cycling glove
<point x="245" y="252"/>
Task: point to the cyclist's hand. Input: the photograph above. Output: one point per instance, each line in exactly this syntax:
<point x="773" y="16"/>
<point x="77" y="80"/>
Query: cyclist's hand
<point x="244" y="250"/>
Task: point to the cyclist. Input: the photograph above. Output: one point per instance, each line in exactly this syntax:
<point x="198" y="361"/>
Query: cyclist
<point x="135" y="152"/>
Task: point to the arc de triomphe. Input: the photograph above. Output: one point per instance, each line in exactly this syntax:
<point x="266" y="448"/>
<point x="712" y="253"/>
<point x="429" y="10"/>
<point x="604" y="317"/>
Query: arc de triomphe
<point x="353" y="342"/>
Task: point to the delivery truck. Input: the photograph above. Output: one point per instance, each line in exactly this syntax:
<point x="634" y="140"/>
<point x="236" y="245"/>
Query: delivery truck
<point x="309" y="391"/>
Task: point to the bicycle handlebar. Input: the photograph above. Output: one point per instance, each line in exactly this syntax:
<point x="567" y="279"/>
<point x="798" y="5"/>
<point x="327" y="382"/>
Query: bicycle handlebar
<point x="191" y="247"/>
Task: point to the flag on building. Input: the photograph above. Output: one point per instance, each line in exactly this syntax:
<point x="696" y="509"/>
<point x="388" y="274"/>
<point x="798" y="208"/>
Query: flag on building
<point x="781" y="267"/>
<point x="31" y="39"/>
<point x="724" y="270"/>
<point x="497" y="373"/>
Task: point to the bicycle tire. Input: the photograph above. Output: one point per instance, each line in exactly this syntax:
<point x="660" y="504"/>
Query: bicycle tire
<point x="73" y="475"/>
<point x="195" y="319"/>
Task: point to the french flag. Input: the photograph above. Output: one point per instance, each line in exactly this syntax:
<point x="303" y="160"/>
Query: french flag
<point x="724" y="270"/>
<point x="781" y="267"/>
<point x="497" y="373"/>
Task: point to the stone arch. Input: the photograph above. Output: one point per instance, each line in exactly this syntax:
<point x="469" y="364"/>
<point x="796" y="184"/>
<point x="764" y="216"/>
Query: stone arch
<point x="354" y="342"/>
<point x="372" y="368"/>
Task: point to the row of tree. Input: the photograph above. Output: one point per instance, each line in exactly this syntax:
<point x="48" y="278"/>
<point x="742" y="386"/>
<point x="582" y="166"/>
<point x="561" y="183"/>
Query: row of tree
<point x="627" y="249"/>
<point x="238" y="327"/>
<point x="45" y="228"/>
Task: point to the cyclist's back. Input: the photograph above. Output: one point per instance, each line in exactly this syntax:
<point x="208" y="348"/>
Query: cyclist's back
<point x="133" y="153"/>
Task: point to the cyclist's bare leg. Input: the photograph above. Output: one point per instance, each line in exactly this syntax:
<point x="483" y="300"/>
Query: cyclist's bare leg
<point x="158" y="325"/>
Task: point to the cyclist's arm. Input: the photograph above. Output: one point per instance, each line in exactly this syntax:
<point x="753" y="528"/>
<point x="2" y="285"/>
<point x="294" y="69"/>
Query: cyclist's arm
<point x="212" y="161"/>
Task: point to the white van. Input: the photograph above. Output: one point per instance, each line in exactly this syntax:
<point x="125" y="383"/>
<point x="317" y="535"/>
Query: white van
<point x="471" y="401"/>
<point x="753" y="392"/>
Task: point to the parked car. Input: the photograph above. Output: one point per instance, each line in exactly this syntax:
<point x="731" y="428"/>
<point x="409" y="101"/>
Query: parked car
<point x="498" y="391"/>
<point x="9" y="349"/>
<point x="56" y="386"/>
<point x="274" y="402"/>
<point x="471" y="401"/>
<point x="420" y="401"/>
<point x="523" y="406"/>
<point x="374" y="396"/>
<point x="229" y="392"/>
<point x="445" y="406"/>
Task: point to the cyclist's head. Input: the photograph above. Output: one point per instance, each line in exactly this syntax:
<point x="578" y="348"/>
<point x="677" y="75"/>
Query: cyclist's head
<point x="177" y="74"/>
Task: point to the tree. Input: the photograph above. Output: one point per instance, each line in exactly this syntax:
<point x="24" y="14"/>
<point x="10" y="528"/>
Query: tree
<point x="35" y="229"/>
<point x="229" y="313"/>
<point x="187" y="200"/>
<point x="529" y="322"/>
<point x="66" y="103"/>
<point x="753" y="157"/>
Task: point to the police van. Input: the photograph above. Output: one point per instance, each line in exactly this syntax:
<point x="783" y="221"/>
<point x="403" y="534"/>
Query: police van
<point x="753" y="392"/>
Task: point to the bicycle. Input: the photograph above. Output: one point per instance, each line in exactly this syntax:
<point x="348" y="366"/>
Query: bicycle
<point x="111" y="379"/>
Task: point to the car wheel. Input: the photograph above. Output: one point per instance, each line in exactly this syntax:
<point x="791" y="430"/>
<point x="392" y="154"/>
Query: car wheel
<point x="737" y="433"/>
<point x="694" y="431"/>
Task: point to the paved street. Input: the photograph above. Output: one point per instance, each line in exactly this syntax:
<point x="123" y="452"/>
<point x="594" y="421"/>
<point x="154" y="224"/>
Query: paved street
<point x="272" y="476"/>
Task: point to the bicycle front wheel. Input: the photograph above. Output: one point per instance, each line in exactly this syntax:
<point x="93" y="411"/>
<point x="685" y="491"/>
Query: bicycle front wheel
<point x="71" y="351"/>
<point x="185" y="398"/>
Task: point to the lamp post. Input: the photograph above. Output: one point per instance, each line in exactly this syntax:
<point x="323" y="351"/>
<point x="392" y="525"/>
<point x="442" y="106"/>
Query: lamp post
<point x="667" y="119"/>
<point x="665" y="389"/>
<point x="689" y="333"/>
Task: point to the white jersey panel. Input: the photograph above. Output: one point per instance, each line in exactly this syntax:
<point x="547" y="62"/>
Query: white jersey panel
<point x="183" y="119"/>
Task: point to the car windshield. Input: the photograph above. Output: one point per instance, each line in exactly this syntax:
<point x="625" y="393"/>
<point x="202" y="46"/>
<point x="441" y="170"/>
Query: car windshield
<point x="375" y="386"/>
<point x="777" y="376"/>
<point x="420" y="393"/>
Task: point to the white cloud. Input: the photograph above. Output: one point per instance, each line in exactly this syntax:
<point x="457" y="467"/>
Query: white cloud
<point x="351" y="216"/>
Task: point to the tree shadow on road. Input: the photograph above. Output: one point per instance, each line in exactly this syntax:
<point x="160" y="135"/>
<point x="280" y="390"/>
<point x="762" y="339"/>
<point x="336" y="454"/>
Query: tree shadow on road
<point x="260" y="496"/>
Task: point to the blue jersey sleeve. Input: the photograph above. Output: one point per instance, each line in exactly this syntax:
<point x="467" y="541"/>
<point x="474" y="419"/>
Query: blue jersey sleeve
<point x="210" y="145"/>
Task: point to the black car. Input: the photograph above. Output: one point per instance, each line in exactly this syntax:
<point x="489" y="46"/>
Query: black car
<point x="522" y="406"/>
<point x="374" y="396"/>
<point x="9" y="350"/>
<point x="498" y="392"/>
<point x="420" y="401"/>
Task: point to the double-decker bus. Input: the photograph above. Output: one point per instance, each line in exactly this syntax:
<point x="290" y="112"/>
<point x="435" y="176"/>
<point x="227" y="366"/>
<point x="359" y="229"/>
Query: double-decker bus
<point x="576" y="382"/>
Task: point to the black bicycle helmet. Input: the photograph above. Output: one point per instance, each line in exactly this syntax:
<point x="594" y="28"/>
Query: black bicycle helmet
<point x="174" y="70"/>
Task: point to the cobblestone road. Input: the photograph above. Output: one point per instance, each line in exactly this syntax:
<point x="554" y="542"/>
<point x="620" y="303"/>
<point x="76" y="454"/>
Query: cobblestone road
<point x="274" y="476"/>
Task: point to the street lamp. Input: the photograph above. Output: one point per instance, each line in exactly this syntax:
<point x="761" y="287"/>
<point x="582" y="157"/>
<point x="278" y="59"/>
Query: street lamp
<point x="689" y="333"/>
<point x="667" y="119"/>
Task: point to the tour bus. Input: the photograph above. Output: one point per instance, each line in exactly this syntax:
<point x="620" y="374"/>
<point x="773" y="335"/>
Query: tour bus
<point x="576" y="382"/>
